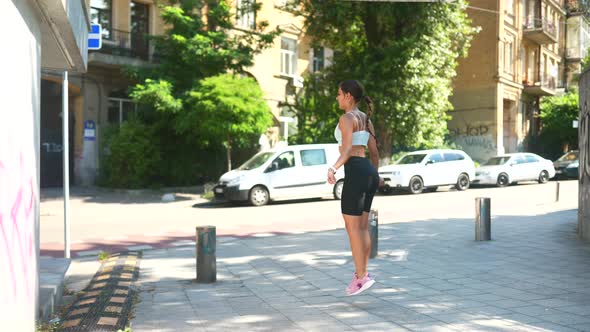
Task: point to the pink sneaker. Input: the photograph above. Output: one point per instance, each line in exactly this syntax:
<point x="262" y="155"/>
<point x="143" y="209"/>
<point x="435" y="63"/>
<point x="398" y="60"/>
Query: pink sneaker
<point x="358" y="286"/>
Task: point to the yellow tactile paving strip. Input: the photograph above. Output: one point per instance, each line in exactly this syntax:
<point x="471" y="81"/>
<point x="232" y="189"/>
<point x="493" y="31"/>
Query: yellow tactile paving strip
<point x="107" y="301"/>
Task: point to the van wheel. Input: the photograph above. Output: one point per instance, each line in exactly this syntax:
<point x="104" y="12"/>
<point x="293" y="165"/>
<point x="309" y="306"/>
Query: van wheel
<point x="543" y="177"/>
<point x="503" y="180"/>
<point x="462" y="182"/>
<point x="338" y="189"/>
<point x="258" y="196"/>
<point x="416" y="185"/>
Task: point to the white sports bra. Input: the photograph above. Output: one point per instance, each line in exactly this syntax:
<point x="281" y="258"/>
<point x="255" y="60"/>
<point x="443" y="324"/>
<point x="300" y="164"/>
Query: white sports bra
<point x="359" y="137"/>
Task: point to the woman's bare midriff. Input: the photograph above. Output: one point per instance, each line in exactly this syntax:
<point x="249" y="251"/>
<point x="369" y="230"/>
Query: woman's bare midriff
<point x="356" y="151"/>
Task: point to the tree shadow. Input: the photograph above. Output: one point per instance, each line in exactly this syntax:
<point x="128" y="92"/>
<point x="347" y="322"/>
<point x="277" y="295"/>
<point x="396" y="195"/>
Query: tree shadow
<point x="427" y="271"/>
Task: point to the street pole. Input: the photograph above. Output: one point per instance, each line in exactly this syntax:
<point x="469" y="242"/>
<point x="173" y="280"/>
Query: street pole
<point x="66" y="168"/>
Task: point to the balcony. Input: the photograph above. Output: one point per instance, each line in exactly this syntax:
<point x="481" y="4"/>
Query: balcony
<point x="64" y="34"/>
<point x="122" y="48"/>
<point x="545" y="87"/>
<point x="540" y="30"/>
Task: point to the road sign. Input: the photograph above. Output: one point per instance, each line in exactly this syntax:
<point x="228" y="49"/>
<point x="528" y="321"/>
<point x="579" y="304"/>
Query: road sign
<point x="95" y="37"/>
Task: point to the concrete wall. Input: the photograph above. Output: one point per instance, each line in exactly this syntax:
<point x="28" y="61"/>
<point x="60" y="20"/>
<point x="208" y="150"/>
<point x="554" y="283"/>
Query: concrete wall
<point x="473" y="124"/>
<point x="19" y="164"/>
<point x="584" y="139"/>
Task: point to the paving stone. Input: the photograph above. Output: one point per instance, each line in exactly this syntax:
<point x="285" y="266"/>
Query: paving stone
<point x="107" y="321"/>
<point x="71" y="323"/>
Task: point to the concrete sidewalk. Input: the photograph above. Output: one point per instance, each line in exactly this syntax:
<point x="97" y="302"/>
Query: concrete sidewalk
<point x="432" y="276"/>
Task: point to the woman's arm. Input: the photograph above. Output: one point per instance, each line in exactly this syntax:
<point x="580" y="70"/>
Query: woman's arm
<point x="373" y="151"/>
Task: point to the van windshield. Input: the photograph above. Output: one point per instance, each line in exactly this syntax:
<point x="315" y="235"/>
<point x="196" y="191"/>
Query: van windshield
<point x="256" y="161"/>
<point x="411" y="159"/>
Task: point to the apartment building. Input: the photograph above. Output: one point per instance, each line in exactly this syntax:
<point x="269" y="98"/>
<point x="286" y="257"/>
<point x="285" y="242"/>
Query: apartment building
<point x="577" y="39"/>
<point x="99" y="97"/>
<point x="517" y="58"/>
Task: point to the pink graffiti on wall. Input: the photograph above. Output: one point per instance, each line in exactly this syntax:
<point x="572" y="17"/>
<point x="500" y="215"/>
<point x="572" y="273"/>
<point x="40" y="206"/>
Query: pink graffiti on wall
<point x="17" y="221"/>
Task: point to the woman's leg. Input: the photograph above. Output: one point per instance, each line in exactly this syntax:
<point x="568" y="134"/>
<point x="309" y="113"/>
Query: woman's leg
<point x="358" y="236"/>
<point x="365" y="226"/>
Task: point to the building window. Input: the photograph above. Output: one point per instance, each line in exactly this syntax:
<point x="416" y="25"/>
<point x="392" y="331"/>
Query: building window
<point x="509" y="7"/>
<point x="140" y="29"/>
<point x="246" y="13"/>
<point x="288" y="56"/>
<point x="101" y="13"/>
<point x="120" y="109"/>
<point x="522" y="62"/>
<point x="318" y="59"/>
<point x="509" y="55"/>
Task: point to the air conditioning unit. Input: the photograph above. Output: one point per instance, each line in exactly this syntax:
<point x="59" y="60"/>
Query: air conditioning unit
<point x="297" y="81"/>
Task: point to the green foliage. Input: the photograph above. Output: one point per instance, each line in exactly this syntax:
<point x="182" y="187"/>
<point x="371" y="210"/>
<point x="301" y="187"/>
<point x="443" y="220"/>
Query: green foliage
<point x="557" y="116"/>
<point x="405" y="54"/>
<point x="189" y="109"/>
<point x="132" y="156"/>
<point x="103" y="255"/>
<point x="228" y="107"/>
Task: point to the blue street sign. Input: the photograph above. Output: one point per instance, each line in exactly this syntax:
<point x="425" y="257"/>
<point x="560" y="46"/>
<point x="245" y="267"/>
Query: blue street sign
<point x="89" y="130"/>
<point x="95" y="37"/>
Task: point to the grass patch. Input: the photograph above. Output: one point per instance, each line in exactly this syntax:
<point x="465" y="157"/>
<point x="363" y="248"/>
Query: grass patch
<point x="102" y="256"/>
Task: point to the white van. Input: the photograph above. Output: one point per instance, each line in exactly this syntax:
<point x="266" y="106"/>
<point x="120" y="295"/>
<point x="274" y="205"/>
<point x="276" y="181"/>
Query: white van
<point x="294" y="171"/>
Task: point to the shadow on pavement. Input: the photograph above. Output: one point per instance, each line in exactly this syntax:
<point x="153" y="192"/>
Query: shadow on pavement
<point x="107" y="196"/>
<point x="430" y="274"/>
<point x="225" y="204"/>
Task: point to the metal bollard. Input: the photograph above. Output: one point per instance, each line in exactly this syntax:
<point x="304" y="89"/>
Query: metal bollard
<point x="206" y="259"/>
<point x="374" y="232"/>
<point x="483" y="225"/>
<point x="557" y="191"/>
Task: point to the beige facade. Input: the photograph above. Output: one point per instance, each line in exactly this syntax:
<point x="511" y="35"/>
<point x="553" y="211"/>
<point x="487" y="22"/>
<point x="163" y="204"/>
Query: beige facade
<point x="517" y="58"/>
<point x="99" y="96"/>
<point x="279" y="68"/>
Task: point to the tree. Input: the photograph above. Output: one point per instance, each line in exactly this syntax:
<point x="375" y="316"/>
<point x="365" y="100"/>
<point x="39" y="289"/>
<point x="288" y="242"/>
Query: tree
<point x="186" y="98"/>
<point x="230" y="107"/>
<point x="405" y="54"/>
<point x="557" y="116"/>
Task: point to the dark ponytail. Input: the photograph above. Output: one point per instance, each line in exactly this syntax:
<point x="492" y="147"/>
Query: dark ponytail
<point x="356" y="90"/>
<point x="369" y="103"/>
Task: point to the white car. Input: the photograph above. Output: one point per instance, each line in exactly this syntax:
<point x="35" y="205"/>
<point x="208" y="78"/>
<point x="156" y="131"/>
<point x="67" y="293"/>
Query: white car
<point x="429" y="169"/>
<point x="294" y="171"/>
<point x="514" y="167"/>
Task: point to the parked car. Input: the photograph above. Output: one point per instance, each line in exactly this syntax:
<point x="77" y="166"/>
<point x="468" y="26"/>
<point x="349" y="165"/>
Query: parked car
<point x="510" y="168"/>
<point x="295" y="171"/>
<point x="428" y="169"/>
<point x="567" y="165"/>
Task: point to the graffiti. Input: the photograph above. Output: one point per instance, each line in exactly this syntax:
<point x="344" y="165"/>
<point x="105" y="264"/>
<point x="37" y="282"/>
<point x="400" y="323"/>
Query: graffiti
<point x="477" y="147"/>
<point x="51" y="147"/>
<point x="584" y="130"/>
<point x="17" y="222"/>
<point x="469" y="130"/>
<point x="584" y="159"/>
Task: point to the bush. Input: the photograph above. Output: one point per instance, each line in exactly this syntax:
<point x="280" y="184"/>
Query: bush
<point x="130" y="157"/>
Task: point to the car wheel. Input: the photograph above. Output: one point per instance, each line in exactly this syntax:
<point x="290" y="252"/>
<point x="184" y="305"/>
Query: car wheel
<point x="503" y="180"/>
<point x="416" y="185"/>
<point x="462" y="182"/>
<point x="338" y="189"/>
<point x="258" y="196"/>
<point x="543" y="177"/>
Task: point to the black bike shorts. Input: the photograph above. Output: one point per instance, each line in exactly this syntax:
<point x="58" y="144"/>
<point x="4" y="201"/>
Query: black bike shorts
<point x="361" y="181"/>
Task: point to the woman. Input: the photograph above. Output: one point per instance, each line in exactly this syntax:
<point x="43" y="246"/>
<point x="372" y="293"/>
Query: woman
<point x="354" y="134"/>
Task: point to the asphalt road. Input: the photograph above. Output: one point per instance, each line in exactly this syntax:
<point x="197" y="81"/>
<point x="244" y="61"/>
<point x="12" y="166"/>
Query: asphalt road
<point x="99" y="216"/>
